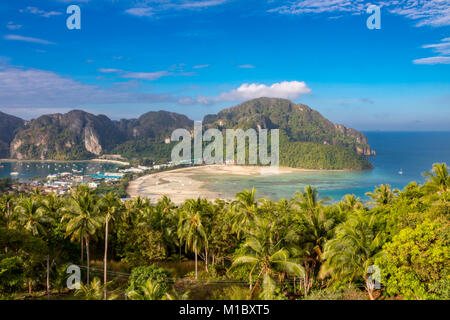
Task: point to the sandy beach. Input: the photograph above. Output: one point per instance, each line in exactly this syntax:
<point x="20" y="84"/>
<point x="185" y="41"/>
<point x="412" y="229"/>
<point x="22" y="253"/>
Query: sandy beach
<point x="179" y="184"/>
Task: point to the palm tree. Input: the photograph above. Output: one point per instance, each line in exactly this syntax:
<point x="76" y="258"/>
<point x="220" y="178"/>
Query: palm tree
<point x="93" y="291"/>
<point x="83" y="218"/>
<point x="438" y="179"/>
<point x="190" y="227"/>
<point x="354" y="250"/>
<point x="315" y="229"/>
<point x="164" y="219"/>
<point x="111" y="208"/>
<point x="30" y="214"/>
<point x="266" y="257"/>
<point x="351" y="202"/>
<point x="175" y="295"/>
<point x="51" y="206"/>
<point x="150" y="290"/>
<point x="383" y="195"/>
<point x="308" y="200"/>
<point x="7" y="208"/>
<point x="244" y="210"/>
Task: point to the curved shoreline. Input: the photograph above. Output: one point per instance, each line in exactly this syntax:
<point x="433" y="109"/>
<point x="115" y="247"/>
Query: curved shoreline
<point x="179" y="184"/>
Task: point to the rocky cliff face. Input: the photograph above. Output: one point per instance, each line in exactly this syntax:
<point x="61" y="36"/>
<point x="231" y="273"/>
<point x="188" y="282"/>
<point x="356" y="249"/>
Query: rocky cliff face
<point x="9" y="125"/>
<point x="92" y="141"/>
<point x="81" y="135"/>
<point x="74" y="135"/>
<point x="299" y="122"/>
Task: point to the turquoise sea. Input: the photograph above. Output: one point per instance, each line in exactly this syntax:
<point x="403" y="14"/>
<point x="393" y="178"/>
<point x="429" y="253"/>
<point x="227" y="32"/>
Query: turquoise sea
<point x="411" y="152"/>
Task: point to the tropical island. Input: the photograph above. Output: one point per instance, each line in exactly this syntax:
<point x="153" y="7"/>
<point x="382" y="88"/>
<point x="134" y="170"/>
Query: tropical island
<point x="307" y="139"/>
<point x="175" y="239"/>
<point x="241" y="248"/>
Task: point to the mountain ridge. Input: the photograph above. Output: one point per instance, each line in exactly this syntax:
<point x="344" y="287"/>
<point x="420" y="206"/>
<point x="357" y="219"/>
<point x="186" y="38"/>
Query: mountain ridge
<point x="79" y="135"/>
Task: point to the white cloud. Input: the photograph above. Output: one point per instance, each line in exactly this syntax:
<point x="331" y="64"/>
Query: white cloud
<point x="201" y="66"/>
<point x="12" y="26"/>
<point x="33" y="88"/>
<point x="198" y="4"/>
<point x="107" y="70"/>
<point x="151" y="7"/>
<point x="39" y="12"/>
<point x="149" y="76"/>
<point x="443" y="51"/>
<point x="433" y="60"/>
<point x="425" y="12"/>
<point x="26" y="39"/>
<point x="442" y="48"/>
<point x="140" y="12"/>
<point x="286" y="90"/>
<point x="246" y="66"/>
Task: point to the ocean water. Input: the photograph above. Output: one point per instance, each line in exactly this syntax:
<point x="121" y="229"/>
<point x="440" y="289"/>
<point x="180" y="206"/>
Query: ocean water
<point x="411" y="152"/>
<point x="29" y="170"/>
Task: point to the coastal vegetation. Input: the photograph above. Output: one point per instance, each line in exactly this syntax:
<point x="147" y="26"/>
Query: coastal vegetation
<point x="308" y="140"/>
<point x="394" y="247"/>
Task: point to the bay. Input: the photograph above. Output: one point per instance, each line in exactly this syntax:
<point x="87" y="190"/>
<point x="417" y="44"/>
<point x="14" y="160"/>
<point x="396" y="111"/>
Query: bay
<point x="411" y="153"/>
<point x="29" y="170"/>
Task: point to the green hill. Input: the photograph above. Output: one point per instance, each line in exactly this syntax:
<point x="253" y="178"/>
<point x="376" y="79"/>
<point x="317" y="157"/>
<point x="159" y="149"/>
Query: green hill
<point x="308" y="140"/>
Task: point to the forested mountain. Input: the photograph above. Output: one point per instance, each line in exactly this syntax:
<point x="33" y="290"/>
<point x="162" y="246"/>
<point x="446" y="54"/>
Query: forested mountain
<point x="74" y="135"/>
<point x="8" y="128"/>
<point x="299" y="122"/>
<point x="308" y="139"/>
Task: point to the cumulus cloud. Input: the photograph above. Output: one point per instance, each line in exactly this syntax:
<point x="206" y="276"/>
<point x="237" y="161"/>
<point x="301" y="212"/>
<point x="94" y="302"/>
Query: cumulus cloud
<point x="428" y="12"/>
<point x="33" y="89"/>
<point x="286" y="90"/>
<point x="442" y="49"/>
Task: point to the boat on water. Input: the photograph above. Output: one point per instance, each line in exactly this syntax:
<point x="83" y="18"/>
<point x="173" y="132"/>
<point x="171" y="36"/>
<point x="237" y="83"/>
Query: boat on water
<point x="400" y="172"/>
<point x="14" y="173"/>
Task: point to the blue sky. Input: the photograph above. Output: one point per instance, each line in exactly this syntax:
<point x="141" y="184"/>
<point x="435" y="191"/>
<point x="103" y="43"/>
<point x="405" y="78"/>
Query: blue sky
<point x="196" y="57"/>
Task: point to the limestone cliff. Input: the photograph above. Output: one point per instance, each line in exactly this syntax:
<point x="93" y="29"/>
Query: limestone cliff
<point x="74" y="135"/>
